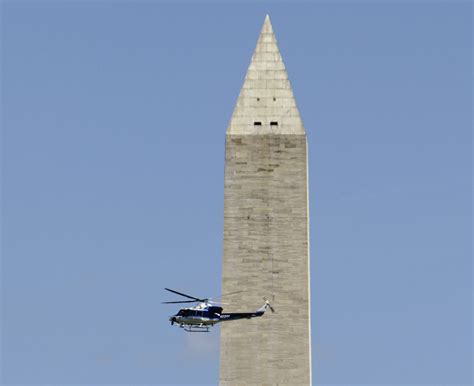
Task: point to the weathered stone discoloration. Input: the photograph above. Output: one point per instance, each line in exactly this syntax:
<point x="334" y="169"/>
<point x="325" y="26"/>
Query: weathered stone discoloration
<point x="266" y="253"/>
<point x="266" y="242"/>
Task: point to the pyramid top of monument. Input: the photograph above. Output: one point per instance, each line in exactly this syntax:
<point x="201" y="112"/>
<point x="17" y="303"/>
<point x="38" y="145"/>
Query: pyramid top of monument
<point x="266" y="104"/>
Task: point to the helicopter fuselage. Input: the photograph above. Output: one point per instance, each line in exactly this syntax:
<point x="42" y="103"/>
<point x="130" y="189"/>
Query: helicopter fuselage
<point x="205" y="315"/>
<point x="198" y="316"/>
<point x="202" y="317"/>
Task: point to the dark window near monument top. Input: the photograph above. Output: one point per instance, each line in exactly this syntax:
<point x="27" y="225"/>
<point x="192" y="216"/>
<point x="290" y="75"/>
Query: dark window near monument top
<point x="257" y="123"/>
<point x="273" y="123"/>
<point x="274" y="99"/>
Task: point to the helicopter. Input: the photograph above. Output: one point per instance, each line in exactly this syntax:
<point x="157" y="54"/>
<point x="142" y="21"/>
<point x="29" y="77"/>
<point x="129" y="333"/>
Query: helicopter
<point x="205" y="315"/>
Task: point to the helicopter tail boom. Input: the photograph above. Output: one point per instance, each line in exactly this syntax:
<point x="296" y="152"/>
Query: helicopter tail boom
<point x="247" y="315"/>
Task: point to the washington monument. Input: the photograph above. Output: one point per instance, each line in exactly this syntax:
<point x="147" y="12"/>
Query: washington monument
<point x="266" y="228"/>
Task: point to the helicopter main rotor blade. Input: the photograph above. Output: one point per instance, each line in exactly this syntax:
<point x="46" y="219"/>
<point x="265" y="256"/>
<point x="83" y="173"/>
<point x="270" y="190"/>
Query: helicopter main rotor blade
<point x="186" y="296"/>
<point x="181" y="301"/>
<point x="224" y="295"/>
<point x="231" y="293"/>
<point x="216" y="302"/>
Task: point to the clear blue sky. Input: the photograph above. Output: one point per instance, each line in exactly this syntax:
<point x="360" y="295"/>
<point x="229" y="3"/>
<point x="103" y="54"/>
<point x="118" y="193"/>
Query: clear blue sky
<point x="113" y="125"/>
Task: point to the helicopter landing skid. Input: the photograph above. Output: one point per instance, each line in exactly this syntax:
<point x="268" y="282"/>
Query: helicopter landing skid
<point x="195" y="328"/>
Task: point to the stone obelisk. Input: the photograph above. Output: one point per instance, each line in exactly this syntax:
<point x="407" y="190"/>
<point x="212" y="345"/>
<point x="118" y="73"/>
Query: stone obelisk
<point x="266" y="229"/>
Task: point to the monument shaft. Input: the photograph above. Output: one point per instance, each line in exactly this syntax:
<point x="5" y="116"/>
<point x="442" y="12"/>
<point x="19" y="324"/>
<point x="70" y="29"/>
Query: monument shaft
<point x="266" y="240"/>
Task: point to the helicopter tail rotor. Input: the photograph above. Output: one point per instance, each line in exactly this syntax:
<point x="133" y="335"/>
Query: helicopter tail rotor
<point x="262" y="309"/>
<point x="268" y="305"/>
